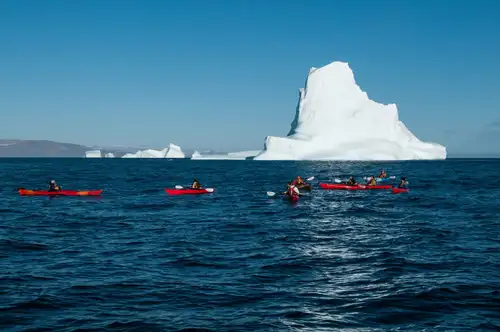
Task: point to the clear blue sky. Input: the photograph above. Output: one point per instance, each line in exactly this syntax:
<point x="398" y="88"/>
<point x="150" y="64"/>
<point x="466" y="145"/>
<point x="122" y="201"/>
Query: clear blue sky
<point x="224" y="74"/>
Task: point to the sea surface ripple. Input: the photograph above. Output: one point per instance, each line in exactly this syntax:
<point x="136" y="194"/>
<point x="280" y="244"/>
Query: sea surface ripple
<point x="137" y="259"/>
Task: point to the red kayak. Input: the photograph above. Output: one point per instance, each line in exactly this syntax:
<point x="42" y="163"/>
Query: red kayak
<point x="188" y="191"/>
<point x="292" y="199"/>
<point x="340" y="186"/>
<point x="400" y="190"/>
<point x="28" y="192"/>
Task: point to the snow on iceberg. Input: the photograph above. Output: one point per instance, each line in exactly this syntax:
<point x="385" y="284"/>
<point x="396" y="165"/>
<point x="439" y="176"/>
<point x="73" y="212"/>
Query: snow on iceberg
<point x="335" y="120"/>
<point x="109" y="155"/>
<point x="173" y="151"/>
<point x="93" y="154"/>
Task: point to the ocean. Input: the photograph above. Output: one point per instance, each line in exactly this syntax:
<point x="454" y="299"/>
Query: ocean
<point x="137" y="259"/>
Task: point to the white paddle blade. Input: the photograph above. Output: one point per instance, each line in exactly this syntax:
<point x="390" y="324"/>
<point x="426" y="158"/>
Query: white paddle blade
<point x="179" y="187"/>
<point x="311" y="178"/>
<point x="271" y="194"/>
<point x="337" y="181"/>
<point x="209" y="190"/>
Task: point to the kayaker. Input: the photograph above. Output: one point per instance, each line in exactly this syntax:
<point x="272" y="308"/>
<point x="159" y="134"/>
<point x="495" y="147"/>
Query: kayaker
<point x="403" y="183"/>
<point x="53" y="186"/>
<point x="351" y="181"/>
<point x="382" y="174"/>
<point x="372" y="181"/>
<point x="196" y="185"/>
<point x="298" y="182"/>
<point x="292" y="190"/>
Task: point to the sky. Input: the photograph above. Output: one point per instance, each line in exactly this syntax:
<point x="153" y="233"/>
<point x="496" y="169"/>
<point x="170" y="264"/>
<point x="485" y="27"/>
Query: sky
<point x="224" y="74"/>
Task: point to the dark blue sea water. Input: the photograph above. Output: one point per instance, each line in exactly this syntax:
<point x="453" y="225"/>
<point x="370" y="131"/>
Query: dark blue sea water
<point x="137" y="259"/>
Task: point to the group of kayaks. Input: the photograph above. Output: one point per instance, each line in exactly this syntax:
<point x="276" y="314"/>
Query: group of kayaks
<point x="292" y="194"/>
<point x="294" y="190"/>
<point x="56" y="190"/>
<point x="170" y="191"/>
<point x="362" y="187"/>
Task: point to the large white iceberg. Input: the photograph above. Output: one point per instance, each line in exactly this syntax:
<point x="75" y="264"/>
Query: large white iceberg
<point x="173" y="151"/>
<point x="229" y="156"/>
<point x="93" y="154"/>
<point x="335" y="120"/>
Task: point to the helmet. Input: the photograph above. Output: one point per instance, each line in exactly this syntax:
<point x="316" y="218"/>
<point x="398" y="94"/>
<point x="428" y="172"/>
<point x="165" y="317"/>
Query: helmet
<point x="52" y="181"/>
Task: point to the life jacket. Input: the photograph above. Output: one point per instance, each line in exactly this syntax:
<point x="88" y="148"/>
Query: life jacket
<point x="291" y="191"/>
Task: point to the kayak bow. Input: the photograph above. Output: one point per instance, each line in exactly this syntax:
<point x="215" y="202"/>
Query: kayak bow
<point x="188" y="191"/>
<point x="292" y="199"/>
<point x="400" y="190"/>
<point x="28" y="192"/>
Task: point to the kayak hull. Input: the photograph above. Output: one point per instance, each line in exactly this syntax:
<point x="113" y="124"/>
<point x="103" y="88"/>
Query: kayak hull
<point x="292" y="199"/>
<point x="400" y="190"/>
<point x="186" y="191"/>
<point x="337" y="186"/>
<point x="28" y="192"/>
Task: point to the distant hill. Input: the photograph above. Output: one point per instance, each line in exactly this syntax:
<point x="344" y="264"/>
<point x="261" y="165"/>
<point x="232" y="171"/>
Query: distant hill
<point x="37" y="149"/>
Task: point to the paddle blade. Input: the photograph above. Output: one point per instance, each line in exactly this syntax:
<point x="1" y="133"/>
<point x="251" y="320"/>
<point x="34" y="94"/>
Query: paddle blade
<point x="311" y="178"/>
<point x="179" y="187"/>
<point x="337" y="181"/>
<point x="271" y="194"/>
<point x="209" y="190"/>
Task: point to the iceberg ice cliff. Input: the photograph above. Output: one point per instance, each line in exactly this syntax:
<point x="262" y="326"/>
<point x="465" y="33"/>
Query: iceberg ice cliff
<point x="173" y="151"/>
<point x="335" y="120"/>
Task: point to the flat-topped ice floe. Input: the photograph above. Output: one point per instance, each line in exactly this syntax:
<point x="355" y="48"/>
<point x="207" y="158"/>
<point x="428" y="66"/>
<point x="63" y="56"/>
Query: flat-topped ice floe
<point x="93" y="154"/>
<point x="173" y="151"/>
<point x="335" y="120"/>
<point x="229" y="156"/>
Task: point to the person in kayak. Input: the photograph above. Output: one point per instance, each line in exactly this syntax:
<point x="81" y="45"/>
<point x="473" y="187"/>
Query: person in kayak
<point x="382" y="174"/>
<point x="403" y="183"/>
<point x="292" y="190"/>
<point x="351" y="182"/>
<point x="53" y="186"/>
<point x="299" y="182"/>
<point x="196" y="185"/>
<point x="371" y="181"/>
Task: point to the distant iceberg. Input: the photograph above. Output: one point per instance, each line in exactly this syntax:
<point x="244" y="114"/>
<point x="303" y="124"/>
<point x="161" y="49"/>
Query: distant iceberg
<point x="109" y="155"/>
<point x="172" y="151"/>
<point x="225" y="156"/>
<point x="93" y="154"/>
<point x="335" y="120"/>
